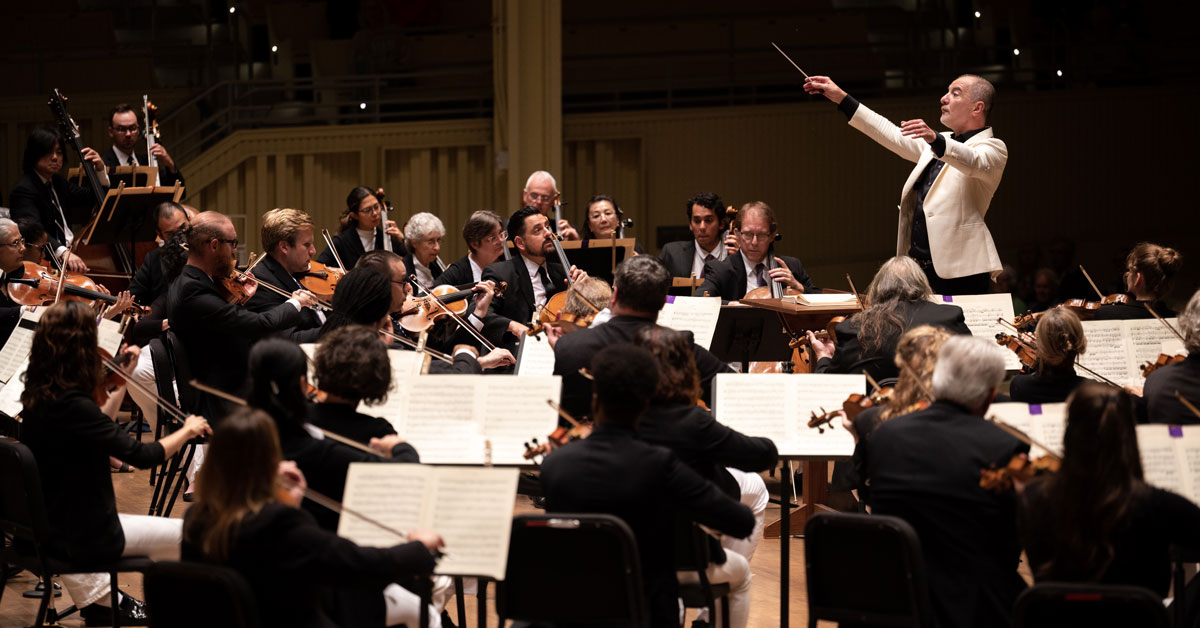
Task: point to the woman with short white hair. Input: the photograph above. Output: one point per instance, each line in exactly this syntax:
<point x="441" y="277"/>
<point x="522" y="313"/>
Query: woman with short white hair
<point x="423" y="235"/>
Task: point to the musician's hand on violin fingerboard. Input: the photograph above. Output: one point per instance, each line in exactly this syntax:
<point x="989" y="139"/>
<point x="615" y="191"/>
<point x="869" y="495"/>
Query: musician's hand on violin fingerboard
<point x="384" y="445"/>
<point x="848" y="425"/>
<point x="486" y="290"/>
<point x="731" y="243"/>
<point x="821" y="348"/>
<point x="74" y="263"/>
<point x="825" y="86"/>
<point x="553" y="333"/>
<point x="578" y="274"/>
<point x="124" y="301"/>
<point x="917" y="129"/>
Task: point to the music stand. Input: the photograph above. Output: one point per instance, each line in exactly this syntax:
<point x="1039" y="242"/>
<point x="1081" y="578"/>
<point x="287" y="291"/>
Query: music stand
<point x="127" y="215"/>
<point x="596" y="256"/>
<point x="749" y="334"/>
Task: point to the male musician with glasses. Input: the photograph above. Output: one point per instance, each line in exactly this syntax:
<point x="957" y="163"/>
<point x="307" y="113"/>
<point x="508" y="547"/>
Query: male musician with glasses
<point x="749" y="268"/>
<point x="125" y="131"/>
<point x="541" y="193"/>
<point x="12" y="258"/>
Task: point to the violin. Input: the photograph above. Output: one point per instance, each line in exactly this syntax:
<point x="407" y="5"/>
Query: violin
<point x="566" y="321"/>
<point x="320" y="279"/>
<point x="852" y="407"/>
<point x="562" y="435"/>
<point x="1019" y="469"/>
<point x="823" y="334"/>
<point x="420" y="313"/>
<point x="1163" y="360"/>
<point x="238" y="288"/>
<point x="39" y="286"/>
<point x="1026" y="351"/>
<point x="1086" y="310"/>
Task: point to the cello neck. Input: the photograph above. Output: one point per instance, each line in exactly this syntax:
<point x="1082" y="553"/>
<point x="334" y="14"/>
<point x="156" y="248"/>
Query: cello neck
<point x="562" y="258"/>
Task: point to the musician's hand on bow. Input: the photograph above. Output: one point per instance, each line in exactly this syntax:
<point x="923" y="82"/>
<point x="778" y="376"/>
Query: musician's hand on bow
<point x="566" y="231"/>
<point x="731" y="242"/>
<point x="73" y="263"/>
<point x="578" y="274"/>
<point x="485" y="291"/>
<point x="196" y="426"/>
<point x="917" y="129"/>
<point x="783" y="275"/>
<point x="292" y="491"/>
<point x="383" y="446"/>
<point x="94" y="157"/>
<point x="1134" y="390"/>
<point x="825" y="86"/>
<point x="431" y="540"/>
<point x="496" y="358"/>
<point x="306" y="298"/>
<point x="821" y="348"/>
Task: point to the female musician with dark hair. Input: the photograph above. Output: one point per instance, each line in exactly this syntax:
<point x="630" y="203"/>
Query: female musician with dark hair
<point x="1060" y="341"/>
<point x="363" y="297"/>
<point x="1149" y="272"/>
<point x="603" y="220"/>
<point x="363" y="227"/>
<point x="72" y="436"/>
<point x="351" y="366"/>
<point x="45" y="195"/>
<point x="245" y="517"/>
<point x="1096" y="519"/>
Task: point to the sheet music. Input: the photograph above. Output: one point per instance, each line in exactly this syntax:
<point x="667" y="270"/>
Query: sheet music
<point x="1044" y="423"/>
<point x="19" y="344"/>
<point x="981" y="312"/>
<point x="535" y="356"/>
<point x="1146" y="338"/>
<point x="1117" y="349"/>
<point x="695" y="314"/>
<point x="471" y="507"/>
<point x="1171" y="457"/>
<point x="10" y="395"/>
<point x="779" y="406"/>
<point x="447" y="418"/>
<point x="108" y="336"/>
<point x="1173" y="346"/>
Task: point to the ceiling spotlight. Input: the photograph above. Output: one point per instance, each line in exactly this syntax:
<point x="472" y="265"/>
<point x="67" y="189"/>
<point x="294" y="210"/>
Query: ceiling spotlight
<point x="1059" y="72"/>
<point x="1016" y="52"/>
<point x="978" y="15"/>
<point x="362" y="105"/>
<point x="274" y="48"/>
<point x="232" y="10"/>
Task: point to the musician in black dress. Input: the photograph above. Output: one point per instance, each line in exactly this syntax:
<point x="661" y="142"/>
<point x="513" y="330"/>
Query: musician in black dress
<point x="44" y="194"/>
<point x="364" y="228"/>
<point x="1060" y="341"/>
<point x="351" y="367"/>
<point x="603" y="220"/>
<point x="1162" y="406"/>
<point x="1149" y="271"/>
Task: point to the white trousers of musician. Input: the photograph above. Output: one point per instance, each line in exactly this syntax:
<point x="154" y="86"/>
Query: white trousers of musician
<point x="754" y="495"/>
<point x="736" y="572"/>
<point x="404" y="606"/>
<point x="143" y="374"/>
<point x="155" y="537"/>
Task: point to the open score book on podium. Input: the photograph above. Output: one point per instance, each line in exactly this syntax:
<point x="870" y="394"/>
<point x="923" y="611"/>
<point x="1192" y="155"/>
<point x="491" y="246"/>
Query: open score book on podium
<point x="1171" y="458"/>
<point x="471" y="507"/>
<point x="449" y="418"/>
<point x="778" y="406"/>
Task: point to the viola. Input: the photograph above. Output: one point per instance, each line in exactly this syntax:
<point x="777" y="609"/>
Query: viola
<point x="1026" y="351"/>
<point x="1086" y="310"/>
<point x="554" y="305"/>
<point x="1019" y="469"/>
<point x="1163" y="360"/>
<point x="420" y="313"/>
<point x="39" y="286"/>
<point x="320" y="279"/>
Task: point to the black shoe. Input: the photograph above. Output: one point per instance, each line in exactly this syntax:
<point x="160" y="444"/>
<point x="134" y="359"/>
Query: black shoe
<point x="539" y="502"/>
<point x="133" y="613"/>
<point x="700" y="623"/>
<point x="39" y="591"/>
<point x="189" y="497"/>
<point x="446" y="621"/>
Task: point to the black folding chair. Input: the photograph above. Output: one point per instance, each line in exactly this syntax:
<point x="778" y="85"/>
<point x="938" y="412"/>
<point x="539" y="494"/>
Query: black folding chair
<point x="23" y="516"/>
<point x="865" y="570"/>
<point x="174" y="588"/>
<point x="173" y="475"/>
<point x="1070" y="605"/>
<point x="572" y="568"/>
<point x="693" y="553"/>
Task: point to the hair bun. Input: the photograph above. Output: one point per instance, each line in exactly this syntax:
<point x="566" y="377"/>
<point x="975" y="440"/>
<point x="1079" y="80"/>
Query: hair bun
<point x="1169" y="259"/>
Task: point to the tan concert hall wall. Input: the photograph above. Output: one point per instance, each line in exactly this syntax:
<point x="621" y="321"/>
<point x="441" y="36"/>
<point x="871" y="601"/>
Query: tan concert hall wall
<point x="1103" y="167"/>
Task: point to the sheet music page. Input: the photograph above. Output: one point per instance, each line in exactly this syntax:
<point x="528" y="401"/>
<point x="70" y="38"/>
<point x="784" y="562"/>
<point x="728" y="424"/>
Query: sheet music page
<point x="535" y="356"/>
<point x="981" y="312"/>
<point x="108" y="336"/>
<point x="1163" y="463"/>
<point x="1173" y="346"/>
<point x="778" y="406"/>
<point x="695" y="314"/>
<point x="10" y="395"/>
<point x="1188" y="449"/>
<point x="439" y="417"/>
<point x="1146" y="338"/>
<point x="1108" y="351"/>
<point x="310" y="350"/>
<point x="814" y="392"/>
<point x="392" y="494"/>
<point x="405" y="363"/>
<point x="472" y="508"/>
<point x="513" y="410"/>
<point x="1044" y="423"/>
<point x="19" y="344"/>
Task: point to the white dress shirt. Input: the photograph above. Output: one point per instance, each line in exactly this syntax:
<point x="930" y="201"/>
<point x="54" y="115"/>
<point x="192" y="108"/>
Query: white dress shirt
<point x="424" y="275"/>
<point x="751" y="275"/>
<point x="367" y="238"/>
<point x="476" y="269"/>
<point x="719" y="253"/>
<point x="126" y="159"/>
<point x="539" y="289"/>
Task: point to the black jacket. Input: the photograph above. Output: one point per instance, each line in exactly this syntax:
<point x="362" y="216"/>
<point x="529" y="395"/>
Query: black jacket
<point x="457" y="273"/>
<point x="924" y="467"/>
<point x="727" y="278"/>
<point x="270" y="271"/>
<point x="516" y="304"/>
<point x="217" y="334"/>
<point x="849" y="357"/>
<point x="575" y="351"/>
<point x="1039" y="388"/>
<point x="647" y="486"/>
<point x="1134" y="310"/>
<point x="345" y="420"/>
<point x="30" y="198"/>
<point x="1159" y="392"/>
<point x="435" y="269"/>
<point x="291" y="564"/>
<point x="149" y="281"/>
<point x="166" y="178"/>
<point x="350" y="248"/>
<point x="678" y="257"/>
<point x="71" y="440"/>
<point x="10" y="312"/>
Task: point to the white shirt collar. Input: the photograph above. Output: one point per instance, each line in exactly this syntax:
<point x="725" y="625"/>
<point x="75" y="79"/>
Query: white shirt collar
<point x="751" y="280"/>
<point x="122" y="156"/>
<point x="476" y="269"/>
<point x="718" y="252"/>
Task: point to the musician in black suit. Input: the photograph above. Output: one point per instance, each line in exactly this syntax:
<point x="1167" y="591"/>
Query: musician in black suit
<point x="925" y="467"/>
<point x="1162" y="406"/>
<point x="639" y="293"/>
<point x="532" y="278"/>
<point x="757" y="264"/>
<point x="1149" y="272"/>
<point x="645" y="485"/>
<point x="486" y="239"/>
<point x="12" y="249"/>
<point x="898" y="299"/>
<point x="149" y="282"/>
<point x="216" y="334"/>
<point x="363" y="229"/>
<point x="707" y="221"/>
<point x="423" y="235"/>
<point x="287" y="237"/>
<point x="46" y="196"/>
<point x="124" y="129"/>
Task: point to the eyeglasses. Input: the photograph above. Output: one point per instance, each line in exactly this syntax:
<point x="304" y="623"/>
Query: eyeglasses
<point x="126" y="129"/>
<point x="18" y="243"/>
<point x="538" y="198"/>
<point x="231" y="242"/>
<point x="751" y="236"/>
<point x="493" y="239"/>
<point x="374" y="209"/>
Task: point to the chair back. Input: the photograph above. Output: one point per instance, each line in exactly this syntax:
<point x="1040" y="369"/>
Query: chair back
<point x="572" y="568"/>
<point x="1067" y="605"/>
<point x="22" y="507"/>
<point x="196" y="595"/>
<point x="182" y="370"/>
<point x="865" y="569"/>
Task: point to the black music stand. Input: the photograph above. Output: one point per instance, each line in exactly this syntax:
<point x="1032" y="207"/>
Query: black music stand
<point x="596" y="256"/>
<point x="132" y="176"/>
<point x="750" y="334"/>
<point x="127" y="215"/>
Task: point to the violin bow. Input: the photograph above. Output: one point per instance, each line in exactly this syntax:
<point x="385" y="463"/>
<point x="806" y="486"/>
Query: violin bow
<point x="853" y="290"/>
<point x="1089" y="280"/>
<point x="562" y="413"/>
<point x="1164" y="322"/>
<point x="216" y="392"/>
<point x="455" y="317"/>
<point x="332" y="249"/>
<point x="245" y="274"/>
<point x="1187" y="404"/>
<point x="337" y="507"/>
<point x="171" y="410"/>
<point x="1097" y="375"/>
<point x="1022" y="436"/>
<point x="412" y="345"/>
